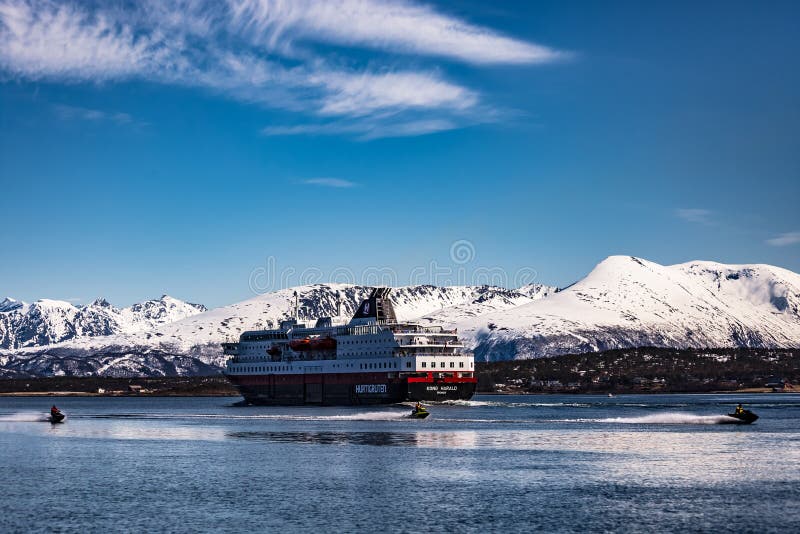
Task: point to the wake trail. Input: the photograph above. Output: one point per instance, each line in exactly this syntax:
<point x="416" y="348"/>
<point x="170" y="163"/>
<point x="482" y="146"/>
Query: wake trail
<point x="672" y="419"/>
<point x="23" y="417"/>
<point x="499" y="404"/>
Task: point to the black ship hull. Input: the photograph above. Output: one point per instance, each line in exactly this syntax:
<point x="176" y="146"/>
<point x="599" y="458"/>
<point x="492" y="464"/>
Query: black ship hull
<point x="351" y="389"/>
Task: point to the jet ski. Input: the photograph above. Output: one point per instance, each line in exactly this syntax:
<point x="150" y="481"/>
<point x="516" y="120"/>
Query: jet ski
<point x="419" y="413"/>
<point x="56" y="417"/>
<point x="744" y="418"/>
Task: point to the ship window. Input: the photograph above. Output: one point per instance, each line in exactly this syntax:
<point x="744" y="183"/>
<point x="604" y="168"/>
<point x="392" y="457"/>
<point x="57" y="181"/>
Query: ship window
<point x="441" y="364"/>
<point x="408" y="365"/>
<point x="424" y="364"/>
<point x="461" y="364"/>
<point x="452" y="364"/>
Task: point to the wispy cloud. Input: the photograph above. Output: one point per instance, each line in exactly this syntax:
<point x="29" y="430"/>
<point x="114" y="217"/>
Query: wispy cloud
<point x="280" y="54"/>
<point x="330" y="182"/>
<point x="94" y="115"/>
<point x="63" y="41"/>
<point x="789" y="238"/>
<point x="396" y="26"/>
<point x="694" y="215"/>
<point x="364" y="130"/>
<point x="366" y="93"/>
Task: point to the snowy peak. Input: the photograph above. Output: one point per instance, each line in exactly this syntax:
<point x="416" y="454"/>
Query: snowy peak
<point x="100" y="303"/>
<point x="49" y="321"/>
<point x="627" y="302"/>
<point x="754" y="285"/>
<point x="164" y="310"/>
<point x="50" y="304"/>
<point x="8" y="304"/>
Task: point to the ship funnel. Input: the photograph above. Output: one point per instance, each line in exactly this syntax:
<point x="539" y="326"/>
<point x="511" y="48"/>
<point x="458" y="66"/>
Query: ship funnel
<point x="377" y="307"/>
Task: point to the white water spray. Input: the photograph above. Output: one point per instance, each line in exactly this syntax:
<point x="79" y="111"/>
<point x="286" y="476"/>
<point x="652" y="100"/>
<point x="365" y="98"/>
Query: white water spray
<point x="672" y="419"/>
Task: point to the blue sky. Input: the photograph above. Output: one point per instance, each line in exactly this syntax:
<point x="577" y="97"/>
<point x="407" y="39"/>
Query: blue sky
<point x="191" y="148"/>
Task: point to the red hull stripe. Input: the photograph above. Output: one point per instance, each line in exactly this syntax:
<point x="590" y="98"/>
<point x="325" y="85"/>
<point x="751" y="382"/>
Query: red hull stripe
<point x="337" y="378"/>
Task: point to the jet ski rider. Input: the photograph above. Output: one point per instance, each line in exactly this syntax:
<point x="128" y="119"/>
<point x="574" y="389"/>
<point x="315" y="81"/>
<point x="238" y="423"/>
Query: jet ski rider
<point x="739" y="409"/>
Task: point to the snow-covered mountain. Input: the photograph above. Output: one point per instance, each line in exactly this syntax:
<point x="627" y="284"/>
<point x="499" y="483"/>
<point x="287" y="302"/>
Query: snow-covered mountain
<point x="628" y="302"/>
<point x="193" y="344"/>
<point x="624" y="302"/>
<point x="8" y="304"/>
<point x="51" y="321"/>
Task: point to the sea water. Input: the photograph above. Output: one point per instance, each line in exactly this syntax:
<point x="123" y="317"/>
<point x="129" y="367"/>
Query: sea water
<point x="556" y="463"/>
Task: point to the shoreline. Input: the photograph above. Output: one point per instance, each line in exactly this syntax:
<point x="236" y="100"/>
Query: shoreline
<point x="122" y="394"/>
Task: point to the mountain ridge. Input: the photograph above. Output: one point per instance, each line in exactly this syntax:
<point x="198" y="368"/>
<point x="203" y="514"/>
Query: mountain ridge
<point x="624" y="302"/>
<point x="49" y="321"/>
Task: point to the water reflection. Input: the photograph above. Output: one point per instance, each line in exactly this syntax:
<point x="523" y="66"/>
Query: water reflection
<point x="116" y="431"/>
<point x="330" y="438"/>
<point x="454" y="440"/>
<point x="657" y="458"/>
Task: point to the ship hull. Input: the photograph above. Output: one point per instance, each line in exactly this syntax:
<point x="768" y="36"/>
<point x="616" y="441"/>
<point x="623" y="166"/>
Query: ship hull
<point x="351" y="389"/>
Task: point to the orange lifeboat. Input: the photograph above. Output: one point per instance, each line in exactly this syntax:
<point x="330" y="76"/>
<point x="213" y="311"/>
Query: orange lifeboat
<point x="300" y="344"/>
<point x="323" y="343"/>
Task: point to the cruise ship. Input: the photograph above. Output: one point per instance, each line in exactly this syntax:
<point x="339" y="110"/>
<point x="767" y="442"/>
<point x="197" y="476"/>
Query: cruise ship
<point x="372" y="359"/>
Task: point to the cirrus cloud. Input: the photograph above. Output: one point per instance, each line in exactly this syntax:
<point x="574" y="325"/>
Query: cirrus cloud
<point x="278" y="54"/>
<point x="694" y="215"/>
<point x="330" y="182"/>
<point x="397" y="26"/>
<point x="782" y="240"/>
